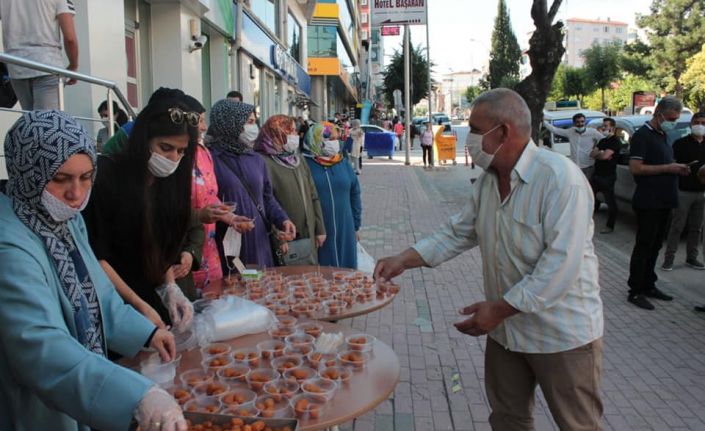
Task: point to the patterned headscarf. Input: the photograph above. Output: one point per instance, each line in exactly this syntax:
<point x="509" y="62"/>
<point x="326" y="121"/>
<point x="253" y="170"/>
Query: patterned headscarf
<point x="228" y="119"/>
<point x="313" y="143"/>
<point x="272" y="138"/>
<point x="36" y="146"/>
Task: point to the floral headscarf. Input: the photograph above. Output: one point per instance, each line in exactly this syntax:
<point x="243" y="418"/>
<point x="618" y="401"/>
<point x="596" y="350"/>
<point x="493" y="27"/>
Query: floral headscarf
<point x="272" y="137"/>
<point x="36" y="146"/>
<point x="228" y="119"/>
<point x="314" y="142"/>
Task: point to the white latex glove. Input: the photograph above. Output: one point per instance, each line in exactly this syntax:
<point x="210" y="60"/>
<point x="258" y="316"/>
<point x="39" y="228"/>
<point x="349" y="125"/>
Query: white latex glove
<point x="180" y="308"/>
<point x="158" y="411"/>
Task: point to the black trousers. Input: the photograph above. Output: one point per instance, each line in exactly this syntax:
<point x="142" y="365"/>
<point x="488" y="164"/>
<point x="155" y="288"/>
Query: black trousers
<point x="606" y="186"/>
<point x="651" y="230"/>
<point x="427" y="155"/>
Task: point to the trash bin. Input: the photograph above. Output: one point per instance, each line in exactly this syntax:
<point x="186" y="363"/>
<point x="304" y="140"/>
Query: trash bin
<point x="444" y="146"/>
<point x="379" y="144"/>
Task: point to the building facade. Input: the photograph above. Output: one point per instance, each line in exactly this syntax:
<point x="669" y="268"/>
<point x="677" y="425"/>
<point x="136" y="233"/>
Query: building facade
<point x="581" y="34"/>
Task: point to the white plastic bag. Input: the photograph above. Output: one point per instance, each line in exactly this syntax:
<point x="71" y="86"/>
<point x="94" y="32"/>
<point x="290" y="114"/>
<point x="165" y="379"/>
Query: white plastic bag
<point x="365" y="262"/>
<point x="232" y="317"/>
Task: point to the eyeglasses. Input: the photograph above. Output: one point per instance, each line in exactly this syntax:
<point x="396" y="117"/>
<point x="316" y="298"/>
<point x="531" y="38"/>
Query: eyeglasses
<point x="178" y="116"/>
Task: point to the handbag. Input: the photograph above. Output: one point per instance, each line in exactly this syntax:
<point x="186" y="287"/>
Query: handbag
<point x="273" y="240"/>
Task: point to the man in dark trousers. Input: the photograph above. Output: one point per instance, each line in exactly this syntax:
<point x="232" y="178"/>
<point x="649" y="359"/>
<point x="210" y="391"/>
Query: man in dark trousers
<point x="605" y="154"/>
<point x="689" y="150"/>
<point x="656" y="194"/>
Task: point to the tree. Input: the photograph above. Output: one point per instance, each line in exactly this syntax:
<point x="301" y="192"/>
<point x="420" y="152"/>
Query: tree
<point x="394" y="75"/>
<point x="602" y="66"/>
<point x="635" y="59"/>
<point x="570" y="82"/>
<point x="676" y="29"/>
<point x="694" y="80"/>
<point x="505" y="55"/>
<point x="472" y="92"/>
<point x="545" y="53"/>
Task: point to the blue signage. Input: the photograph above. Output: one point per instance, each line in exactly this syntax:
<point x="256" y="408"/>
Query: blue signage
<point x="261" y="46"/>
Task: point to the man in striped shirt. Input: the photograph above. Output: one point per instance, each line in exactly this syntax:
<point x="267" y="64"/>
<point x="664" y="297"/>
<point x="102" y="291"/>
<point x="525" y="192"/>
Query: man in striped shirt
<point x="531" y="215"/>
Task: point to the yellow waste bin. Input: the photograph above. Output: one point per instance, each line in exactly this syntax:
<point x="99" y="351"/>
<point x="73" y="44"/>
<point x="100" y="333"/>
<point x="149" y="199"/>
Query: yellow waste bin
<point x="444" y="146"/>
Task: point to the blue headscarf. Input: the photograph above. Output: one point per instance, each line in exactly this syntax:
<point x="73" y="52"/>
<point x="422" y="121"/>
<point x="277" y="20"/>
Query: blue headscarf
<point x="36" y="146"/>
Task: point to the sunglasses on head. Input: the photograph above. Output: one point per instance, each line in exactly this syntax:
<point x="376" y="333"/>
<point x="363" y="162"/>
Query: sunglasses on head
<point x="178" y="116"/>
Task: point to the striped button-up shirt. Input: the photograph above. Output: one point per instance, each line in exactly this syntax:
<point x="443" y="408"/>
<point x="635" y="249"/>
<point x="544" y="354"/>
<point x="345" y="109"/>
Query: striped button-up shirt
<point x="537" y="252"/>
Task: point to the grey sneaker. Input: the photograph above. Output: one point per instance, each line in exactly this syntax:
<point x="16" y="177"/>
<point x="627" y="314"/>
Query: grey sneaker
<point x="667" y="265"/>
<point x="695" y="264"/>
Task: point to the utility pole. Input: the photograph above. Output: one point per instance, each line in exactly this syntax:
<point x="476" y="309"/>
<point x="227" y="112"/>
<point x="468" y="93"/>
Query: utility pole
<point x="428" y="61"/>
<point x="407" y="95"/>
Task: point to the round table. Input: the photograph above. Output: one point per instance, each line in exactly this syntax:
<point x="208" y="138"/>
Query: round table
<point x="356" y="309"/>
<point x="365" y="391"/>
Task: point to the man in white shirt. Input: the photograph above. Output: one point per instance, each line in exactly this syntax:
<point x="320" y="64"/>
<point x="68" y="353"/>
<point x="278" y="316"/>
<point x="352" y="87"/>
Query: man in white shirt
<point x="33" y="29"/>
<point x="582" y="141"/>
<point x="531" y="215"/>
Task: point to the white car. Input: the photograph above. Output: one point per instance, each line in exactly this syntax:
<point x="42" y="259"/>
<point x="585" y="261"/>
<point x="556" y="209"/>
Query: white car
<point x="564" y="120"/>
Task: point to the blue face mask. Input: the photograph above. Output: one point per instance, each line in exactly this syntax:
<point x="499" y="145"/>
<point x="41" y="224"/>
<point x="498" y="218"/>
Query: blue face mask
<point x="667" y="125"/>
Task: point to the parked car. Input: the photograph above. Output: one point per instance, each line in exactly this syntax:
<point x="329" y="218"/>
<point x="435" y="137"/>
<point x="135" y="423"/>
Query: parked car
<point x="564" y="120"/>
<point x="418" y="124"/>
<point x="649" y="110"/>
<point x="441" y="119"/>
<point x="626" y="126"/>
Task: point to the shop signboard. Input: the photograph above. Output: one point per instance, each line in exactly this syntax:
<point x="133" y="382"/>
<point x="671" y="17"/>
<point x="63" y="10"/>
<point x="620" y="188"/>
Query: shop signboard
<point x="391" y="31"/>
<point x="641" y="99"/>
<point x="398" y="12"/>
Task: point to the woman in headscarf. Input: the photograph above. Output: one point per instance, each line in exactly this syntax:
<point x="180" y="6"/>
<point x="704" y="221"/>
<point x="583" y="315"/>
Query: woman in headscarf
<point x="59" y="313"/>
<point x="140" y="215"/>
<point x="278" y="143"/>
<point x="339" y="193"/>
<point x="243" y="179"/>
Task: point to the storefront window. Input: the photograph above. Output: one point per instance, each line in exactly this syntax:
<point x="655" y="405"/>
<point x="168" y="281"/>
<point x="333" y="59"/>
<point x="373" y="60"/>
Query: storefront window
<point x="346" y="19"/>
<point x="294" y="37"/>
<point x="266" y="11"/>
<point x="322" y="41"/>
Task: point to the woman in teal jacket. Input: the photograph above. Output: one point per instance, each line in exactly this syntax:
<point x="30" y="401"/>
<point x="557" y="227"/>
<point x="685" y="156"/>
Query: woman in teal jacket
<point x="59" y="314"/>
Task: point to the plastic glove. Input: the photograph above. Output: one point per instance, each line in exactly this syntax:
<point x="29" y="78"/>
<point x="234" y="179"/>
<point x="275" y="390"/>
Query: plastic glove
<point x="158" y="411"/>
<point x="180" y="308"/>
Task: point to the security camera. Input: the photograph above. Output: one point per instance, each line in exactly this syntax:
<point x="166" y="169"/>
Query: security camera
<point x="198" y="42"/>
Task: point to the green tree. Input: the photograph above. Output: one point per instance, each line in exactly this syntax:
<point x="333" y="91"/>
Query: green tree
<point x="545" y="52"/>
<point x="602" y="66"/>
<point x="676" y="29"/>
<point x="472" y="92"/>
<point x="694" y="80"/>
<point x="635" y="58"/>
<point x="558" y="84"/>
<point x="394" y="75"/>
<point x="570" y="82"/>
<point x="505" y="55"/>
<point x="618" y="98"/>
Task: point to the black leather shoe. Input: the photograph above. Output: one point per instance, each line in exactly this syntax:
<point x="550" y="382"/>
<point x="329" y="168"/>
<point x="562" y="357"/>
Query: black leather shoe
<point x="641" y="302"/>
<point x="657" y="294"/>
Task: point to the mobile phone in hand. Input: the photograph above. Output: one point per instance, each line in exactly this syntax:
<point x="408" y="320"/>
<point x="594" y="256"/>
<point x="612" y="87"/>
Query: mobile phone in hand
<point x="694" y="162"/>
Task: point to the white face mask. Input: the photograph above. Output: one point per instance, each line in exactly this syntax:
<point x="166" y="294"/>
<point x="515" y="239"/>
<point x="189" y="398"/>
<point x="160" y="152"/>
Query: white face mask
<point x="330" y="148"/>
<point x="479" y="156"/>
<point x="698" y="130"/>
<point x="292" y="143"/>
<point x="248" y="135"/>
<point x="162" y="167"/>
<point x="58" y="210"/>
<point x="232" y="241"/>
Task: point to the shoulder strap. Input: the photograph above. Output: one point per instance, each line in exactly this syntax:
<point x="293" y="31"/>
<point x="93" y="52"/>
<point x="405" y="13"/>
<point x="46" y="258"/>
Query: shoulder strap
<point x="246" y="185"/>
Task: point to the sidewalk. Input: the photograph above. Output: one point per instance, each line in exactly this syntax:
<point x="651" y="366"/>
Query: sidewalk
<point x="654" y="368"/>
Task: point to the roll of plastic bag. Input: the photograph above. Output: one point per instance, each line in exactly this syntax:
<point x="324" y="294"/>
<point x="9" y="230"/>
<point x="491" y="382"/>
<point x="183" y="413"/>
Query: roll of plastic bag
<point x="232" y="317"/>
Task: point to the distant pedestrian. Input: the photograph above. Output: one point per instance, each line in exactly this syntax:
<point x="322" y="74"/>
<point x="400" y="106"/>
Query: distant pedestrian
<point x="399" y="131"/>
<point x="427" y="145"/>
<point x="235" y="96"/>
<point x="33" y="30"/>
<point x="582" y="140"/>
<point x="689" y="150"/>
<point x="543" y="313"/>
<point x="656" y="194"/>
<point x="605" y="154"/>
<point x="358" y="142"/>
<point x="119" y="119"/>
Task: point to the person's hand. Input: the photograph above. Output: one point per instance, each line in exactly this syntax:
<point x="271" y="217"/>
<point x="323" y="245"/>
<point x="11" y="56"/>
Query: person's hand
<point x="357" y="235"/>
<point x="159" y="411"/>
<point x="486" y="316"/>
<point x="212" y="213"/>
<point x="284" y="247"/>
<point x="180" y="308"/>
<point x="389" y="267"/>
<point x="163" y="342"/>
<point x="73" y="68"/>
<point x="679" y="169"/>
<point x="184" y="267"/>
<point x="320" y="240"/>
<point x="240" y="223"/>
<point x="289" y="230"/>
<point x="150" y="313"/>
<point x="701" y="174"/>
